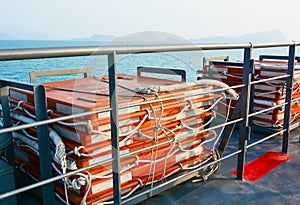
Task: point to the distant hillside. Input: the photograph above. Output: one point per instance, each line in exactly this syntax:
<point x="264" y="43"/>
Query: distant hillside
<point x="154" y="38"/>
<point x="149" y="38"/>
<point x="273" y="36"/>
<point x="96" y="37"/>
<point x="138" y="38"/>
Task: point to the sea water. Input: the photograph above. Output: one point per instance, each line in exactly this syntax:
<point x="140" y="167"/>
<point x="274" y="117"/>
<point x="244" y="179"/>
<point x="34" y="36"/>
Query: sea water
<point x="190" y="61"/>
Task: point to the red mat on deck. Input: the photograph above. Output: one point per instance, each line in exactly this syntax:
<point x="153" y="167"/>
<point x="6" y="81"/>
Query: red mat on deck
<point x="262" y="165"/>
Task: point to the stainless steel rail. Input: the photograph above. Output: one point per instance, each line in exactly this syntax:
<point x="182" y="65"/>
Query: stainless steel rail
<point x="112" y="52"/>
<point x="33" y="53"/>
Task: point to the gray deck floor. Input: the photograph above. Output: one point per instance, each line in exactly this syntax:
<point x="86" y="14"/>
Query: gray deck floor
<point x="279" y="186"/>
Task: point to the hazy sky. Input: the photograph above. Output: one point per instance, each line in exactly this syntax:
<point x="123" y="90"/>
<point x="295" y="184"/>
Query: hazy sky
<point x="185" y="18"/>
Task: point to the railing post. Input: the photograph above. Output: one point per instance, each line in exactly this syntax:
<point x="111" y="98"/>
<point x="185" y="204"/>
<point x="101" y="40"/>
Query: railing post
<point x="288" y="98"/>
<point x="114" y="123"/>
<point x="7" y="123"/>
<point x="44" y="143"/>
<point x="244" y="132"/>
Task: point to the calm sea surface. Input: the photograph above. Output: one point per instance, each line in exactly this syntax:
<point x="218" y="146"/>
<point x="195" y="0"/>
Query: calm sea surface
<point x="190" y="61"/>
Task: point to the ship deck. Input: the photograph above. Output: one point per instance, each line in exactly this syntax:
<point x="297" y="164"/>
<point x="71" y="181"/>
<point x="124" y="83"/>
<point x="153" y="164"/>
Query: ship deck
<point x="279" y="186"/>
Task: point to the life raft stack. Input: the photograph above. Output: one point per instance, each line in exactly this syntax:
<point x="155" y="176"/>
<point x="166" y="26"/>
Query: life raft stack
<point x="163" y="126"/>
<point x="267" y="94"/>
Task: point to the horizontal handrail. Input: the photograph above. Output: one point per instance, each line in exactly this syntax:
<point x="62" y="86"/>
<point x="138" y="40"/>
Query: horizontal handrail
<point x="16" y="84"/>
<point x="33" y="53"/>
<point x="264" y="80"/>
<point x="266" y="110"/>
<point x="266" y="138"/>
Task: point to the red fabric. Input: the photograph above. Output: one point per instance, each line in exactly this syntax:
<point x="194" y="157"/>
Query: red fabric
<point x="260" y="166"/>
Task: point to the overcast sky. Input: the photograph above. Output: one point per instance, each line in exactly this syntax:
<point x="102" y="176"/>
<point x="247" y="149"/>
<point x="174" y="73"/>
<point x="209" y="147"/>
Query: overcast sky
<point x="185" y="18"/>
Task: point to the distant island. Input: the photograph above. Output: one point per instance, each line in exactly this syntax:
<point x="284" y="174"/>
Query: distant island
<point x="273" y="36"/>
<point x="153" y="37"/>
<point x="96" y="37"/>
<point x="149" y="37"/>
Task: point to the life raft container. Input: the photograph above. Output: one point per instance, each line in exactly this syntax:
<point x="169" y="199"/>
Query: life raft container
<point x="176" y="118"/>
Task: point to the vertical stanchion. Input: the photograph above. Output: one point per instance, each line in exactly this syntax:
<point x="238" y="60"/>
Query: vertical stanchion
<point x="288" y="99"/>
<point x="244" y="132"/>
<point x="114" y="123"/>
<point x="251" y="104"/>
<point x="44" y="143"/>
<point x="7" y="123"/>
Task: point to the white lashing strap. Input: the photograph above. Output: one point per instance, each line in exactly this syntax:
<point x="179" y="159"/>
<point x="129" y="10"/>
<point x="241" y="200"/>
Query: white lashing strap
<point x="76" y="152"/>
<point x="169" y="88"/>
<point x="278" y="66"/>
<point x="264" y="102"/>
<point x="140" y="184"/>
<point x="60" y="150"/>
<point x="129" y="133"/>
<point x="172" y="116"/>
<point x="227" y="74"/>
<point x="162" y="135"/>
<point x="200" y="127"/>
<point x="266" y="93"/>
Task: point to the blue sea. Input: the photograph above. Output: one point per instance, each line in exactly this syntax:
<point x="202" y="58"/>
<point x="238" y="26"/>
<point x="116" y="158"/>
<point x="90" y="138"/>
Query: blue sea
<point x="190" y="61"/>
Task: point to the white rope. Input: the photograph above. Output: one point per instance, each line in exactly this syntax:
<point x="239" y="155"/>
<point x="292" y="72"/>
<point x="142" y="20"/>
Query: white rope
<point x="60" y="150"/>
<point x="136" y="128"/>
<point x="162" y="135"/>
<point x="28" y="113"/>
<point x="121" y="171"/>
<point x="76" y="152"/>
<point x="211" y="107"/>
<point x="196" y="166"/>
<point x="127" y="133"/>
<point x="227" y="105"/>
<point x="277" y="66"/>
<point x="202" y="143"/>
<point x="221" y="115"/>
<point x="169" y="88"/>
<point x="171" y="173"/>
<point x="73" y="124"/>
<point x="227" y="74"/>
<point x="200" y="127"/>
<point x="169" y="153"/>
<point x="88" y="180"/>
<point x="157" y="160"/>
<point x="140" y="184"/>
<point x="27" y="146"/>
<point x="31" y="143"/>
<point x="155" y="139"/>
<point x="18" y="106"/>
<point x="28" y="135"/>
<point x="265" y="102"/>
<point x="266" y="93"/>
<point x="227" y="116"/>
<point x="172" y="116"/>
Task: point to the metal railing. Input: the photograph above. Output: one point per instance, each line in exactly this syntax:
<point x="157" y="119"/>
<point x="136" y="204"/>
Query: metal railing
<point x="33" y="53"/>
<point x="241" y="114"/>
